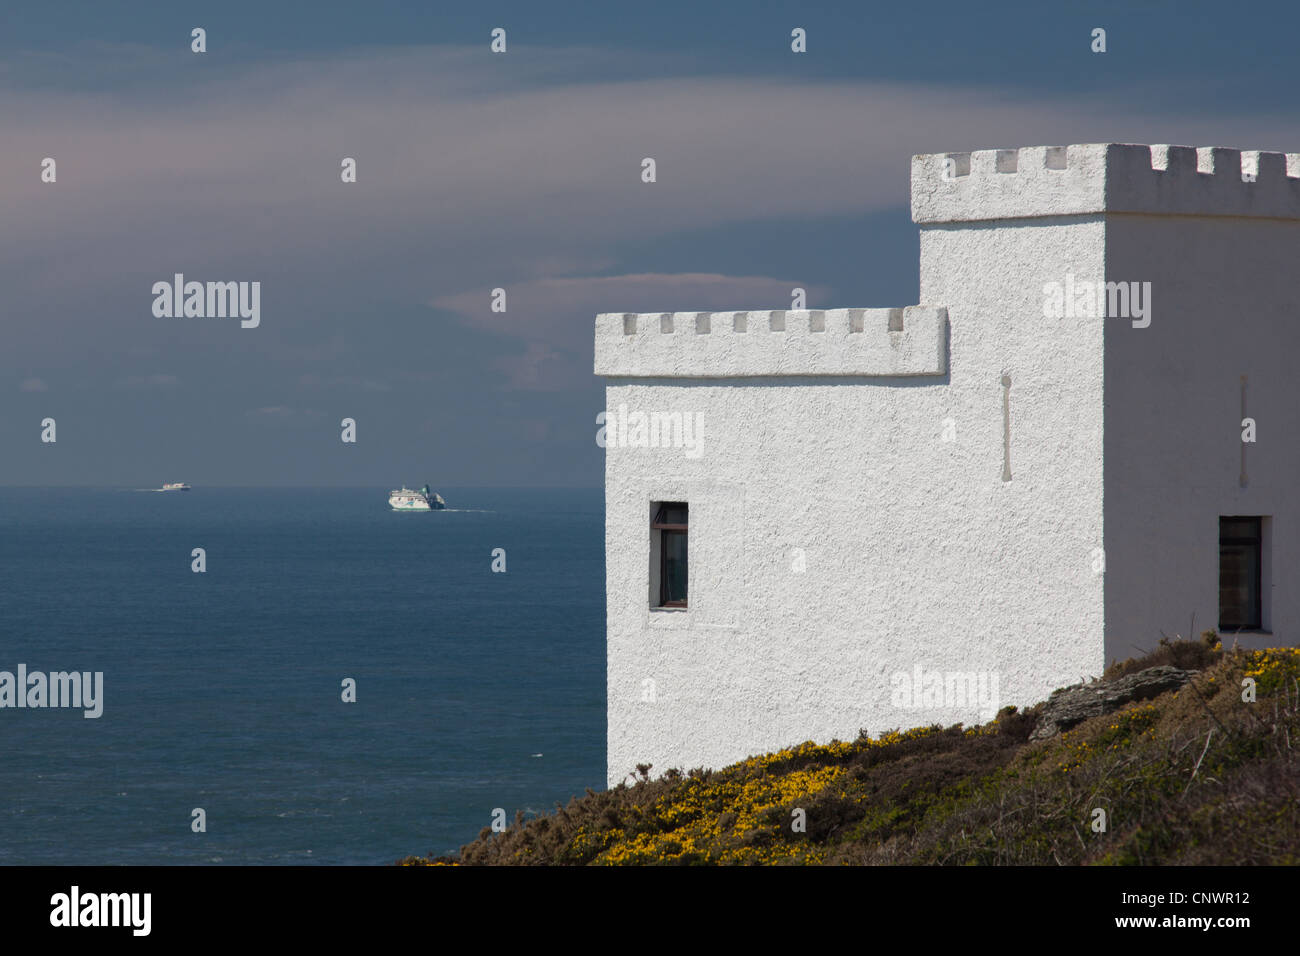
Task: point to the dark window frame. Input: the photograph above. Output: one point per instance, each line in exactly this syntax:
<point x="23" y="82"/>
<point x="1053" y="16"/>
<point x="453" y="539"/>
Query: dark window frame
<point x="671" y="529"/>
<point x="1253" y="616"/>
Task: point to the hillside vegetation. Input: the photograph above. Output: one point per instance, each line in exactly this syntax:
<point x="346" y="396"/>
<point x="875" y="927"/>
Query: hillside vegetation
<point x="1194" y="775"/>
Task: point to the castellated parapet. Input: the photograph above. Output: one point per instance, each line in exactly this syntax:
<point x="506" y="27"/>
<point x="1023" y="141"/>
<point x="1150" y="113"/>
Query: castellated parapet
<point x="872" y="343"/>
<point x="1038" y="181"/>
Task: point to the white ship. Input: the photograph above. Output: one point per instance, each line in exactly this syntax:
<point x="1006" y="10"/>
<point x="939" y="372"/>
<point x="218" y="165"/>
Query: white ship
<point x="404" y="499"/>
<point x="175" y="486"/>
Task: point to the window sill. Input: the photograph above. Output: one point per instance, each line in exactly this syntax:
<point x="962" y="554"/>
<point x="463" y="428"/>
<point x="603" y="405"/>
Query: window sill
<point x="1244" y="633"/>
<point x="680" y="619"/>
<point x="668" y="618"/>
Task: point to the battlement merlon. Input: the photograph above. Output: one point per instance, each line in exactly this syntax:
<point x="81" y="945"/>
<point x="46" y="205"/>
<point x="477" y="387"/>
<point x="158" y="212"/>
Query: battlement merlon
<point x="869" y="343"/>
<point x="1037" y="181"/>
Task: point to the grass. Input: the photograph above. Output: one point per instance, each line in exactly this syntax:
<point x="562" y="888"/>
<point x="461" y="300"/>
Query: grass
<point x="1194" y="776"/>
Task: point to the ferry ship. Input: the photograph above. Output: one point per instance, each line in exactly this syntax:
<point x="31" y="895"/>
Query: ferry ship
<point x="404" y="499"/>
<point x="175" y="486"/>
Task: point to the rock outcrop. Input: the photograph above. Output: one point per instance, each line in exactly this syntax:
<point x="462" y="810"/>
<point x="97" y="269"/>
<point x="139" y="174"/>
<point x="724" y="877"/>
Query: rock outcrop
<point x="1075" y="704"/>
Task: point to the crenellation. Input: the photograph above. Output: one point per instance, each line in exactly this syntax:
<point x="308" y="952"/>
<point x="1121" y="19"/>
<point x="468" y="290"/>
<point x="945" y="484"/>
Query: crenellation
<point x="1101" y="178"/>
<point x="983" y="162"/>
<point x="1264" y="166"/>
<point x="1168" y="159"/>
<point x="893" y="342"/>
<point x="1217" y="160"/>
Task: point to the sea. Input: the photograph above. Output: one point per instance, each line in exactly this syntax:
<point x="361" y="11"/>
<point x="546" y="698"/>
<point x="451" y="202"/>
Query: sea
<point x="476" y="691"/>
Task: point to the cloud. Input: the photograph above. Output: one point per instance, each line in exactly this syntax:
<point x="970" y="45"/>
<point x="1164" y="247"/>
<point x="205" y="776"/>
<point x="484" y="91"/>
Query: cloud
<point x="313" y="380"/>
<point x="157" y="380"/>
<point x="468" y="178"/>
<point x="281" y="414"/>
<point x="309" y="348"/>
<point x="555" y="317"/>
<point x="33" y="385"/>
<point x="538" y="369"/>
<point x="533" y="307"/>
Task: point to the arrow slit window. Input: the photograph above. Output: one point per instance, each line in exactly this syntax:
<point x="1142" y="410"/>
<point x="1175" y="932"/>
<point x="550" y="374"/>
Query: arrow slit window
<point x="668" y="561"/>
<point x="1241" y="569"/>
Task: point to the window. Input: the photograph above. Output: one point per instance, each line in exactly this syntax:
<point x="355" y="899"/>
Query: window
<point x="668" y="532"/>
<point x="1241" y="565"/>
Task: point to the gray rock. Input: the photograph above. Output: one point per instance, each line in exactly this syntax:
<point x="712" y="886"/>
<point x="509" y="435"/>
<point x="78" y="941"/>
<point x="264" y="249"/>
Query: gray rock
<point x="1073" y="705"/>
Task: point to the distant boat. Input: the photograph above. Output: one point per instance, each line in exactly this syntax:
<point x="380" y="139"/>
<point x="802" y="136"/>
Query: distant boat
<point x="404" y="499"/>
<point x="175" y="486"/>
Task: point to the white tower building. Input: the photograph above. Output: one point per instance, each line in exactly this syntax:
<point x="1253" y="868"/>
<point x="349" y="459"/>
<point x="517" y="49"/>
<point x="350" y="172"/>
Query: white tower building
<point x="1087" y="433"/>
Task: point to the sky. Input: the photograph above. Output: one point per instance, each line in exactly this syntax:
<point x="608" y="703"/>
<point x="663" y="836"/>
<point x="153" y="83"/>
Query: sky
<point x="519" y="170"/>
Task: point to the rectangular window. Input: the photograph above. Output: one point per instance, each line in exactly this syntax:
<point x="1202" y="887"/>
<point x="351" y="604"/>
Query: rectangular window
<point x="668" y="525"/>
<point x="1241" y="565"/>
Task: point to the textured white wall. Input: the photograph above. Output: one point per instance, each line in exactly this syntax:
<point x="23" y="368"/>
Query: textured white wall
<point x="916" y="551"/>
<point x="1224" y="305"/>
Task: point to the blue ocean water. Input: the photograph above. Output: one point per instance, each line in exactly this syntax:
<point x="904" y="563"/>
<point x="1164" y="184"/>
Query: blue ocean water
<point x="222" y="690"/>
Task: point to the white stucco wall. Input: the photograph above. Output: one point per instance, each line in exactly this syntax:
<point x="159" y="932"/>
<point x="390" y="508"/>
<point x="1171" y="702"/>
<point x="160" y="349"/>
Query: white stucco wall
<point x="916" y="551"/>
<point x="827" y="447"/>
<point x="1224" y="305"/>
